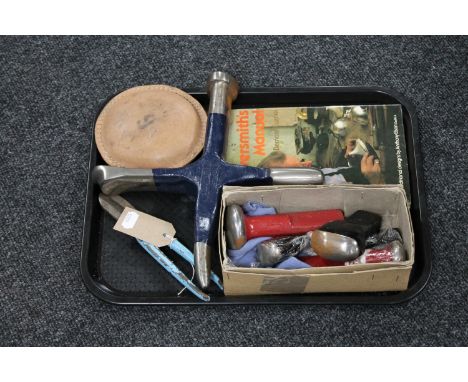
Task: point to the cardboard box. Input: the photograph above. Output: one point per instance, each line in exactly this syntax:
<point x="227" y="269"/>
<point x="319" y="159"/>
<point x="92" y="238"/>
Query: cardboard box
<point x="388" y="201"/>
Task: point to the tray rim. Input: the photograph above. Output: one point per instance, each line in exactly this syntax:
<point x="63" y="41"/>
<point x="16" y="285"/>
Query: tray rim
<point x="104" y="293"/>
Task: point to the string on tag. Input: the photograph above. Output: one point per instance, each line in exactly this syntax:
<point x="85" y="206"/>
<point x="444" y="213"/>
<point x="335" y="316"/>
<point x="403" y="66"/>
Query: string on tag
<point x="172" y="238"/>
<point x="191" y="279"/>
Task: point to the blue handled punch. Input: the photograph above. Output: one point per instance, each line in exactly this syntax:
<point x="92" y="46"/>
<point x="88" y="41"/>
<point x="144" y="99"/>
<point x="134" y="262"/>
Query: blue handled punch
<point x="115" y="205"/>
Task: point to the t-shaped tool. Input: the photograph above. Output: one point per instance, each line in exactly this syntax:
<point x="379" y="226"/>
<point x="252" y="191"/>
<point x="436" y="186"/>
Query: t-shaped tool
<point x="205" y="177"/>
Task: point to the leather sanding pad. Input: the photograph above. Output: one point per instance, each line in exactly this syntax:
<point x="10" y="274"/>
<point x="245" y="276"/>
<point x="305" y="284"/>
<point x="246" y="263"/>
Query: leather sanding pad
<point x="151" y="126"/>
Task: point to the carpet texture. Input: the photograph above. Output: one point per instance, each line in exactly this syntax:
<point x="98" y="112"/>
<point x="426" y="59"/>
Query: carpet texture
<point x="50" y="88"/>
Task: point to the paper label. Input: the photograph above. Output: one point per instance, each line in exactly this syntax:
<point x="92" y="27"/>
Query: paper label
<point x="145" y="227"/>
<point x="129" y="220"/>
<point x="281" y="284"/>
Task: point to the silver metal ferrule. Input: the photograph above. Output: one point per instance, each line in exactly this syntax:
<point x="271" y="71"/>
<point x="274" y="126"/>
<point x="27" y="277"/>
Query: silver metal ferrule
<point x="235" y="227"/>
<point x="202" y="254"/>
<point x="222" y="89"/>
<point x="296" y="175"/>
<point x="115" y="180"/>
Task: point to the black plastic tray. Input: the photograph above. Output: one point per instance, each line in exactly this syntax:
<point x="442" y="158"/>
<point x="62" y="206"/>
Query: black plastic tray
<point x="116" y="269"/>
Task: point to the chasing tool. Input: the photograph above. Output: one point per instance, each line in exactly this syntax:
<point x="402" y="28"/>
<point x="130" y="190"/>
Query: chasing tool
<point x="115" y="205"/>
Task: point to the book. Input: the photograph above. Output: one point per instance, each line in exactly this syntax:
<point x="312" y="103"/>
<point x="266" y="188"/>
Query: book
<point x="360" y="144"/>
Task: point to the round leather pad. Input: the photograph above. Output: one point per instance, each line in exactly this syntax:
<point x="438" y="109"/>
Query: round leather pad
<point x="151" y="126"/>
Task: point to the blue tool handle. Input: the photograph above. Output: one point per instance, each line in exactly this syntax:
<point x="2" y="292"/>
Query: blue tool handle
<point x="215" y="175"/>
<point x="187" y="255"/>
<point x="169" y="266"/>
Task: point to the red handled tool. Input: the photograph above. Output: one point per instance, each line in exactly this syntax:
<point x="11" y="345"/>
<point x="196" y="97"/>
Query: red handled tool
<point x="384" y="253"/>
<point x="241" y="228"/>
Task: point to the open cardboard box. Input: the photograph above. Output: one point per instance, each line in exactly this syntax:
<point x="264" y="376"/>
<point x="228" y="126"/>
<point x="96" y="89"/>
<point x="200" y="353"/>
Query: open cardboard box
<point x="387" y="200"/>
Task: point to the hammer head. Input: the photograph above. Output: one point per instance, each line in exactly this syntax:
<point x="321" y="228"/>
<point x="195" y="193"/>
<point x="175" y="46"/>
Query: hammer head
<point x="235" y="227"/>
<point x="344" y="240"/>
<point x="334" y="247"/>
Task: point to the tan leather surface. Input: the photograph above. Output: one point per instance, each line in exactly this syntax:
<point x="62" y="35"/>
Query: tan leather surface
<point x="151" y="126"/>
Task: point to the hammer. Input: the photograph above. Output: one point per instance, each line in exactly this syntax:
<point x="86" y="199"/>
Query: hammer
<point x="240" y="228"/>
<point x="205" y="177"/>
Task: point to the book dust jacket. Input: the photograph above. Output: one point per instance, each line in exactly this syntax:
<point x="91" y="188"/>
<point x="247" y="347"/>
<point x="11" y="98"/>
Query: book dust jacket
<point x="360" y="144"/>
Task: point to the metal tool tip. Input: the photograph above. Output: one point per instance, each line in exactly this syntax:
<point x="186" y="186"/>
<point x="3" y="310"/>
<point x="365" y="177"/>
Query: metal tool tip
<point x="219" y="77"/>
<point x="235" y="227"/>
<point x="99" y="174"/>
<point x="202" y="254"/>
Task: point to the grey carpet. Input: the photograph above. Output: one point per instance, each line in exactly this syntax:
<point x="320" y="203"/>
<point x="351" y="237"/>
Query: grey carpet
<point x="49" y="89"/>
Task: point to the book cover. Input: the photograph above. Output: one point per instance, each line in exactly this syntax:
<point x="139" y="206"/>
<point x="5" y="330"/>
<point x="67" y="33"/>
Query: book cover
<point x="360" y="144"/>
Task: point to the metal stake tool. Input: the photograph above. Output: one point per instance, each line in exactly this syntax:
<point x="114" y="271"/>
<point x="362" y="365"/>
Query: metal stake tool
<point x="205" y="177"/>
